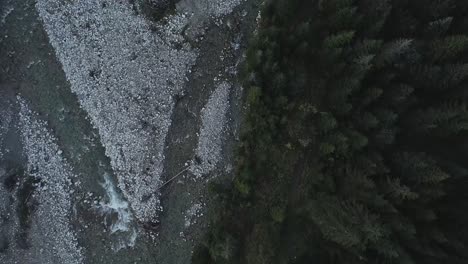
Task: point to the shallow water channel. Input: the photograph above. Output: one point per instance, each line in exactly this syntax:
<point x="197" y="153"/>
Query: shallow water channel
<point x="60" y="200"/>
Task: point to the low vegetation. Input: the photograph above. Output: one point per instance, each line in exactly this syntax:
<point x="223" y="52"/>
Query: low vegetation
<point x="354" y="140"/>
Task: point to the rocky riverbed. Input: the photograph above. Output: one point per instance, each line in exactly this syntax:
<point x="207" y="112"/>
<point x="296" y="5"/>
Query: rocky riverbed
<point x="112" y="122"/>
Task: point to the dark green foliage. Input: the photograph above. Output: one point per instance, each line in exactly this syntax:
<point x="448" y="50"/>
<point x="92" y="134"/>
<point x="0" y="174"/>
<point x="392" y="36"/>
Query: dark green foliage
<point x="353" y="106"/>
<point x="450" y="118"/>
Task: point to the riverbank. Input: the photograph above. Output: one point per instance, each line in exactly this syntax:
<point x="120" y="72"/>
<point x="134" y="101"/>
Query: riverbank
<point x="109" y="223"/>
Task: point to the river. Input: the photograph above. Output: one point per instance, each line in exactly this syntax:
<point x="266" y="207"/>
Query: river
<point x="86" y="154"/>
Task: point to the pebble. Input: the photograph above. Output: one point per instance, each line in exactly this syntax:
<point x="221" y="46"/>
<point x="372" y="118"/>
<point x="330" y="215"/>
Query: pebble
<point x="210" y="137"/>
<point x="51" y="231"/>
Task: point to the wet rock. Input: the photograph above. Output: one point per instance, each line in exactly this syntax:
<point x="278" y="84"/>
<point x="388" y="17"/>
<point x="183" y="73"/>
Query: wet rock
<point x="152" y="226"/>
<point x="10" y="179"/>
<point x="161" y="4"/>
<point x="156" y="9"/>
<point x="4" y="244"/>
<point x="22" y="240"/>
<point x="26" y="206"/>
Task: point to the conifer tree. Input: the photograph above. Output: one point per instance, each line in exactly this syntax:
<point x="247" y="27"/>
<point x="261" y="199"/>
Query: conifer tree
<point x="373" y="183"/>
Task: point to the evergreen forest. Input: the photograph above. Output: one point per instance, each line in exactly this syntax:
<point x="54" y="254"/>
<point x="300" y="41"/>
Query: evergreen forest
<point x="354" y="148"/>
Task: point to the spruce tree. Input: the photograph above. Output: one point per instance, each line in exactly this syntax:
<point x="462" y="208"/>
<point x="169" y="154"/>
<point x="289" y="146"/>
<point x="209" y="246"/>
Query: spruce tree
<point x="386" y="80"/>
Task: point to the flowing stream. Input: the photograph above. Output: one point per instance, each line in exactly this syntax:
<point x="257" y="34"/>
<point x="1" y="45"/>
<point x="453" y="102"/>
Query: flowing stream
<point x="99" y="108"/>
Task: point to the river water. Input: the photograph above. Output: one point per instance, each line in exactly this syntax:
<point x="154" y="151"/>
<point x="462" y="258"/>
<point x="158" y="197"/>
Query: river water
<point x="60" y="200"/>
<point x="30" y="71"/>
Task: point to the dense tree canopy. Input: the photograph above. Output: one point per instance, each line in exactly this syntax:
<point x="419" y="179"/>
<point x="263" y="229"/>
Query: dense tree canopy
<point x="355" y="137"/>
